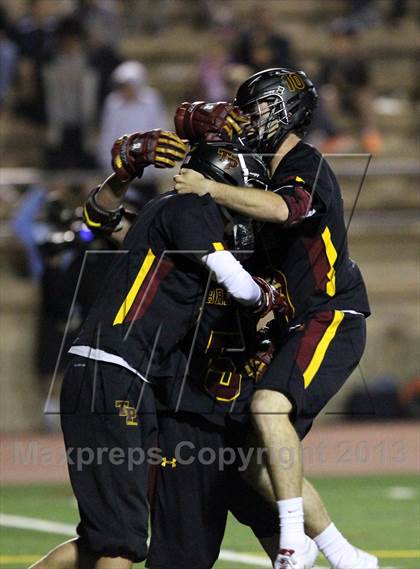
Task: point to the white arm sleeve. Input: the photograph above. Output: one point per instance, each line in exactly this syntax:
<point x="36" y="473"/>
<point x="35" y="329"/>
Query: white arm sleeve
<point x="230" y="273"/>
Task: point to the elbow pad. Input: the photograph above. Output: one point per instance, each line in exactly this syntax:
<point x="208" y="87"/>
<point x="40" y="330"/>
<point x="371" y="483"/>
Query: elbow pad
<point x="298" y="201"/>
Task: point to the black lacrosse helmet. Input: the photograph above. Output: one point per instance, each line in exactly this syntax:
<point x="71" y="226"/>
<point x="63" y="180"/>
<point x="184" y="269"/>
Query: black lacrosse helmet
<point x="228" y="163"/>
<point x="290" y="99"/>
<point x="232" y="164"/>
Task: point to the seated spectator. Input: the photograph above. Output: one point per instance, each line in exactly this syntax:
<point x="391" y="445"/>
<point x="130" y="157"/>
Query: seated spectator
<point x="346" y="86"/>
<point x="8" y="58"/>
<point x="131" y="106"/>
<point x="71" y="99"/>
<point x="261" y="46"/>
<point x="34" y="35"/>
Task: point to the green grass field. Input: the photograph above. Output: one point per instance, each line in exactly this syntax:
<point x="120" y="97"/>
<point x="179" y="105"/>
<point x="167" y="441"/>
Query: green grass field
<point x="361" y="507"/>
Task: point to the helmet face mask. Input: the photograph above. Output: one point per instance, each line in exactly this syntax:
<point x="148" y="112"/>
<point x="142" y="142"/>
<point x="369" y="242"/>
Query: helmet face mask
<point x="267" y="116"/>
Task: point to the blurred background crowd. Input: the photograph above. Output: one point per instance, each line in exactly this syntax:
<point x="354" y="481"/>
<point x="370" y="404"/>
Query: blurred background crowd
<point x="76" y="74"/>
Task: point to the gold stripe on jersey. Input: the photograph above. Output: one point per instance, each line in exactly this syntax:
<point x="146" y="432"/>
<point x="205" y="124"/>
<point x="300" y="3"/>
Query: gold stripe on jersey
<point x="218" y="246"/>
<point x="331" y="253"/>
<point x="138" y="281"/>
<point x="322" y="348"/>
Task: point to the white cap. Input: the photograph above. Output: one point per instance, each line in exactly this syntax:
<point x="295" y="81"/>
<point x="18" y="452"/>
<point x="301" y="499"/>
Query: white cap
<point x="131" y="72"/>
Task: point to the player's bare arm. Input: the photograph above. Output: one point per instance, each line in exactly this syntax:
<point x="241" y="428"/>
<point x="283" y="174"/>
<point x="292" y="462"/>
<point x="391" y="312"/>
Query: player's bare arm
<point x="264" y="206"/>
<point x="288" y="207"/>
<point x="200" y="121"/>
<point x="205" y="121"/>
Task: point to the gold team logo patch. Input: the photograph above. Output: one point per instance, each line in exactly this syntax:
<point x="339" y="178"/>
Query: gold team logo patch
<point x="227" y="156"/>
<point x="130" y="413"/>
<point x="295" y="83"/>
<point x="217" y="296"/>
<point x="168" y="462"/>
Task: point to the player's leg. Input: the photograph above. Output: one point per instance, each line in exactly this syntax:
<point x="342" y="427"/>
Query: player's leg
<point x="69" y="555"/>
<point x="314" y="378"/>
<point x="108" y="422"/>
<point x="273" y="409"/>
<point x="254" y="505"/>
<point x="317" y="518"/>
<point x="111" y="563"/>
<point x="252" y="510"/>
<point x="64" y="556"/>
<point x="271" y="416"/>
<point x="189" y="505"/>
<point x="318" y="524"/>
<point x="341" y="357"/>
<point x="256" y="475"/>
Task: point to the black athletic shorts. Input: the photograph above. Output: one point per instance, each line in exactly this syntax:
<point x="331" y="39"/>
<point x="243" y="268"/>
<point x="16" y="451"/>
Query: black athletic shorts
<point x="314" y="362"/>
<point x="109" y="422"/>
<point x="194" y="491"/>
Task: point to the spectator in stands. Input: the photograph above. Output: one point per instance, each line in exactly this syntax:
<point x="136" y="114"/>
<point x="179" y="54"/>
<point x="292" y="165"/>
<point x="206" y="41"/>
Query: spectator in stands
<point x="71" y="99"/>
<point x="102" y="24"/>
<point x="8" y="57"/>
<point x="212" y="70"/>
<point x="261" y="46"/>
<point x="360" y="14"/>
<point x="152" y="16"/>
<point x="346" y="85"/>
<point x="102" y="19"/>
<point x="131" y="106"/>
<point x="34" y="35"/>
<point x="217" y="14"/>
